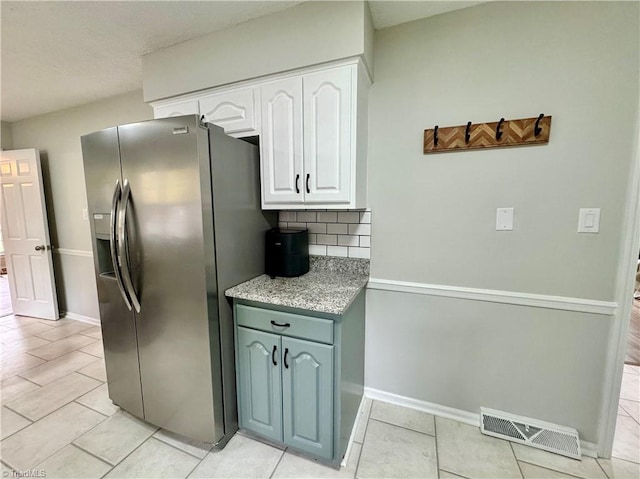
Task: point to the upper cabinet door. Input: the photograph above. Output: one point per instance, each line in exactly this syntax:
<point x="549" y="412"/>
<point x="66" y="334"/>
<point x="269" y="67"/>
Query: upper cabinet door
<point x="281" y="142"/>
<point x="328" y="135"/>
<point x="234" y="110"/>
<point x="179" y="108"/>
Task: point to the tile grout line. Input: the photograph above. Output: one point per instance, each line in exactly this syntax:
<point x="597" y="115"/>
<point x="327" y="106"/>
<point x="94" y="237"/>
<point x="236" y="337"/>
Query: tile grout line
<point x="21" y="415"/>
<point x="46" y="362"/>
<point x="27" y="392"/>
<point x="602" y="469"/>
<point x="65" y="445"/>
<point x="451" y="472"/>
<point x="355" y="470"/>
<point x="515" y="458"/>
<point x="435" y="438"/>
<point x="26" y="379"/>
<point x="278" y="463"/>
<point x="552" y="469"/>
<point x="125" y="457"/>
<point x="79" y="448"/>
<point x="175" y="447"/>
<point x="198" y="464"/>
<point x="90" y="354"/>
<point x="43" y="417"/>
<point x="628" y="413"/>
<point x="86" y="375"/>
<point x="401" y="427"/>
<point x="364" y="436"/>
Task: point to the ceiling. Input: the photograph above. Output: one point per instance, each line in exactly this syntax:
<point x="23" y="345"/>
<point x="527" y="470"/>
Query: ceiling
<point x="60" y="54"/>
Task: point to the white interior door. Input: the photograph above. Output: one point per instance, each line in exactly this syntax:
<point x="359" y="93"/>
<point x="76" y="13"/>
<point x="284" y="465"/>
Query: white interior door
<point x="26" y="235"/>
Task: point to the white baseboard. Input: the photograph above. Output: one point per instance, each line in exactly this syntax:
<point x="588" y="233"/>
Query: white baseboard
<point x="473" y="419"/>
<point x="466" y="417"/>
<point x="81" y="318"/>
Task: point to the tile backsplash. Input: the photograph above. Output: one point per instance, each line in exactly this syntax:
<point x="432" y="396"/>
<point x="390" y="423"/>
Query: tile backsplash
<point x="333" y="233"/>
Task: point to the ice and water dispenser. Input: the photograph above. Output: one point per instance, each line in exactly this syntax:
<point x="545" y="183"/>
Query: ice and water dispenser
<point x="102" y="230"/>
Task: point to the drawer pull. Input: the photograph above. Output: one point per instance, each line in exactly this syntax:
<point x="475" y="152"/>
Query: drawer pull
<point x="286" y="351"/>
<point x="285" y="325"/>
<point x="273" y="355"/>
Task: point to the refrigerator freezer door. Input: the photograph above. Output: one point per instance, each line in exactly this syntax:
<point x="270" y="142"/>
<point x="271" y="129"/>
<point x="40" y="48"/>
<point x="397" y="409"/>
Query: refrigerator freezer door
<point x="102" y="169"/>
<point x="170" y="244"/>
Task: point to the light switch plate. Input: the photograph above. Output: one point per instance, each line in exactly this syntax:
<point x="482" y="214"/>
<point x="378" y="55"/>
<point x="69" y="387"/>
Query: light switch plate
<point x="589" y="220"/>
<point x="504" y="219"/>
<point x="85" y="213"/>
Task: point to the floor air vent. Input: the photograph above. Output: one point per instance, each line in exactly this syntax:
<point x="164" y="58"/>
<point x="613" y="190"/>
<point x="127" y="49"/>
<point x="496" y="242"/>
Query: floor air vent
<point x="550" y="437"/>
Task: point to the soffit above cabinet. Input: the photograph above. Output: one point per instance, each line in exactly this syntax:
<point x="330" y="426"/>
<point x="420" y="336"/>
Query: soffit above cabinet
<point x="294" y="38"/>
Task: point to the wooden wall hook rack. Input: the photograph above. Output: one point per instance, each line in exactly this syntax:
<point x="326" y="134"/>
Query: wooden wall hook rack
<point x="497" y="134"/>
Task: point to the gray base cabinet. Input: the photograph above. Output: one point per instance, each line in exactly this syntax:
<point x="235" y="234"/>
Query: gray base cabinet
<point x="294" y="386"/>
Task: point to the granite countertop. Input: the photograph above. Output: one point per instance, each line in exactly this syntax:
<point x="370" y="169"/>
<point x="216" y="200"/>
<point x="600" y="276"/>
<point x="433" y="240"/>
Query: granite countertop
<point x="330" y="286"/>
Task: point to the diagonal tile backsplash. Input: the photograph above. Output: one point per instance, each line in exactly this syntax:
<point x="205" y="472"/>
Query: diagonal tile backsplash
<point x="333" y="233"/>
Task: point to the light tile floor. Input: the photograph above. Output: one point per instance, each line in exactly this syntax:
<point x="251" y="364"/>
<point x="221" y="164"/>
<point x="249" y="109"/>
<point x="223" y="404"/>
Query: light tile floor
<point x="57" y="418"/>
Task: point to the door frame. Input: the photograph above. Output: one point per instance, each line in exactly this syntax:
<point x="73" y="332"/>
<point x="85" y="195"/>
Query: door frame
<point x="625" y="281"/>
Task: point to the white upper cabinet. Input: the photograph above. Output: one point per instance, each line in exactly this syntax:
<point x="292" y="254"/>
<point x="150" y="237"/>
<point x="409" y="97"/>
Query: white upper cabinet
<point x="233" y="110"/>
<point x="312" y="125"/>
<point x="176" y="108"/>
<point x="332" y="131"/>
<point x="281" y="142"/>
<point x="327" y="104"/>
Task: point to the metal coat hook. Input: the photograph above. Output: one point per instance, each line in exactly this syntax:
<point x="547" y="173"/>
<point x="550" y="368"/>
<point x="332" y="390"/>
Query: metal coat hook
<point x="537" y="130"/>
<point x="498" y="132"/>
<point x="435" y="136"/>
<point x="467" y="133"/>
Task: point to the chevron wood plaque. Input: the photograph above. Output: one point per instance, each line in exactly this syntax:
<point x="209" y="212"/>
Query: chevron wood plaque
<point x="483" y="135"/>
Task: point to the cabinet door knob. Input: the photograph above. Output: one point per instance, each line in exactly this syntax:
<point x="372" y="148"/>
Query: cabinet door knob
<point x="308" y="176"/>
<point x="286" y="351"/>
<point x="297" y="180"/>
<point x="273" y="355"/>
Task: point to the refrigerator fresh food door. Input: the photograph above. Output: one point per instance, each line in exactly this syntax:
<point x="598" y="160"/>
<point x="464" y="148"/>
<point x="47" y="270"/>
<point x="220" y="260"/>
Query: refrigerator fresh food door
<point x="102" y="175"/>
<point x="169" y="239"/>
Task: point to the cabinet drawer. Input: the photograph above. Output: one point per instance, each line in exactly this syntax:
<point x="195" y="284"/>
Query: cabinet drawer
<point x="305" y="327"/>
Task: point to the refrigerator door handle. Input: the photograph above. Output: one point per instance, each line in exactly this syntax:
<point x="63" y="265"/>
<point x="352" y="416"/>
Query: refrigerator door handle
<point x="117" y="194"/>
<point x="122" y="246"/>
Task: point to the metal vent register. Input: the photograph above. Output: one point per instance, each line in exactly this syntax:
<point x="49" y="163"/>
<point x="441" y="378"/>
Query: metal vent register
<point x="543" y="435"/>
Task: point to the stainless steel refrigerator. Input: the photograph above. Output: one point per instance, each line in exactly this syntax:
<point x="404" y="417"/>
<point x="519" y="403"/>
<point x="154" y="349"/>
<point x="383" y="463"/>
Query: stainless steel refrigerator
<point x="175" y="219"/>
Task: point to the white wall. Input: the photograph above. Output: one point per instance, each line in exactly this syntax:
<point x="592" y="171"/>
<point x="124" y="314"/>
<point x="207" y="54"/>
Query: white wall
<point x="435" y="214"/>
<point x="57" y="136"/>
<point x="307" y="34"/>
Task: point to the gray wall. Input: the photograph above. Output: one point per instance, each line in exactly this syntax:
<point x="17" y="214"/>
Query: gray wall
<point x="57" y="136"/>
<point x="7" y="141"/>
<point x="435" y="214"/>
<point x="307" y="34"/>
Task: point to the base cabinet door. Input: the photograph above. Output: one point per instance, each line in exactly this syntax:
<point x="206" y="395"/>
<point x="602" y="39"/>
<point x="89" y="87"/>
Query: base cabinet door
<point x="307" y="395"/>
<point x="259" y="382"/>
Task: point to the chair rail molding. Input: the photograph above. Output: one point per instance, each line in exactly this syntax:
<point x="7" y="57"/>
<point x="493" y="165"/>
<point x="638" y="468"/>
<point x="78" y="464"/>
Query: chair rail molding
<point x="565" y="303"/>
<point x="73" y="252"/>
